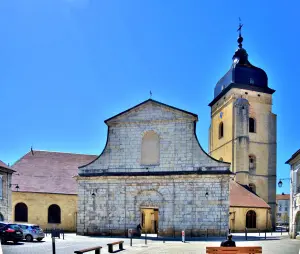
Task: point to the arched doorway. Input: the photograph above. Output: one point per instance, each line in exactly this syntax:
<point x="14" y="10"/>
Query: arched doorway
<point x="54" y="215"/>
<point x="297" y="224"/>
<point x="21" y="212"/>
<point x="251" y="219"/>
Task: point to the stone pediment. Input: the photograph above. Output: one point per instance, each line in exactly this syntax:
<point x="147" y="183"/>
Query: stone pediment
<point x="151" y="110"/>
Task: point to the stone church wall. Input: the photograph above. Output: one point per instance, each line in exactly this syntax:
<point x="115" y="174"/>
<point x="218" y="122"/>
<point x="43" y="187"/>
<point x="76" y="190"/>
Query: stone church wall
<point x="116" y="205"/>
<point x="179" y="149"/>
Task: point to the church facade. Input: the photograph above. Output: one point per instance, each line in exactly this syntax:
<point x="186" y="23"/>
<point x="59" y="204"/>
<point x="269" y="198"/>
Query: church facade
<point x="243" y="128"/>
<point x="153" y="172"/>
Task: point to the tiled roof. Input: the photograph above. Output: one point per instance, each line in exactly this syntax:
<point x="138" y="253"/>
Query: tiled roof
<point x="241" y="197"/>
<point x="49" y="172"/>
<point x="3" y="165"/>
<point x="283" y="197"/>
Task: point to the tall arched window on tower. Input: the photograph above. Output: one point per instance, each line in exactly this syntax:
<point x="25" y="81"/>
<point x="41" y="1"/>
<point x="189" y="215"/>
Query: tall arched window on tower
<point x="251" y="219"/>
<point x="221" y="130"/>
<point x="252" y="125"/>
<point x="150" y="149"/>
<point x="252" y="163"/>
<point x="54" y="215"/>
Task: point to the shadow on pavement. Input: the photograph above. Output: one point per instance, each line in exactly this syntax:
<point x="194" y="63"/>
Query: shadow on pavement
<point x="11" y="243"/>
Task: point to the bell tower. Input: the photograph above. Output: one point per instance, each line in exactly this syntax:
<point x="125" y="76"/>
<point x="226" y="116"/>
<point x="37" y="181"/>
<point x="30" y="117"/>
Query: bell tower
<point x="243" y="126"/>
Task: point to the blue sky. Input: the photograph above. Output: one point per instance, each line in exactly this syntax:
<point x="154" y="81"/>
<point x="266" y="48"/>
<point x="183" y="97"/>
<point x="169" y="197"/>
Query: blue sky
<point x="67" y="65"/>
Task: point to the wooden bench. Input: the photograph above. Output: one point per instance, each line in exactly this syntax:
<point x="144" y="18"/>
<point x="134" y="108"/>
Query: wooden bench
<point x="110" y="246"/>
<point x="96" y="249"/>
<point x="234" y="250"/>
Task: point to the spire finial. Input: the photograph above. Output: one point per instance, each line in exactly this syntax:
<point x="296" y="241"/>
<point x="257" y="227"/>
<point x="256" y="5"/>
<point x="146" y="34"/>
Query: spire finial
<point x="150" y="94"/>
<point x="240" y="39"/>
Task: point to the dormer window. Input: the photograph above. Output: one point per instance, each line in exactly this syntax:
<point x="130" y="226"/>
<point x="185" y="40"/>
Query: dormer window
<point x="251" y="81"/>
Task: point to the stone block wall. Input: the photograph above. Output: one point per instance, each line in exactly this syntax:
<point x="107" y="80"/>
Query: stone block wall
<point x="179" y="147"/>
<point x="5" y="200"/>
<point x="116" y="205"/>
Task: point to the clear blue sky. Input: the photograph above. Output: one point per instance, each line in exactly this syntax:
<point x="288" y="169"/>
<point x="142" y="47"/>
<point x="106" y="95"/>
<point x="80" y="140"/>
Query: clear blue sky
<point x="67" y="65"/>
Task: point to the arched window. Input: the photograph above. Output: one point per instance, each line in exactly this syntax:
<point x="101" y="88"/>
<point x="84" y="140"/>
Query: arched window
<point x="150" y="149"/>
<point x="252" y="125"/>
<point x="221" y="159"/>
<point x="54" y="214"/>
<point x="21" y="212"/>
<point x="1" y="217"/>
<point x="252" y="163"/>
<point x="252" y="187"/>
<point x="221" y="130"/>
<point x="251" y="219"/>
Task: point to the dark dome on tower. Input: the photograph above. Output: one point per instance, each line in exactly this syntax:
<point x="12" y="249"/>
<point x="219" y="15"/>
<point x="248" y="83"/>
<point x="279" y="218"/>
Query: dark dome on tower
<point x="242" y="74"/>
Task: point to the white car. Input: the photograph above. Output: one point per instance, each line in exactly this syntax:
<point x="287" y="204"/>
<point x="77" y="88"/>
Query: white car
<point x="31" y="232"/>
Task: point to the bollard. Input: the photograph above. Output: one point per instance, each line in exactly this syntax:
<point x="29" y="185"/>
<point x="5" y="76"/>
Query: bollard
<point x="53" y="245"/>
<point x="259" y="232"/>
<point x="131" y="240"/>
<point x="63" y="235"/>
<point x="246" y="233"/>
<point x="146" y="238"/>
<point x="265" y="234"/>
<point x="281" y="230"/>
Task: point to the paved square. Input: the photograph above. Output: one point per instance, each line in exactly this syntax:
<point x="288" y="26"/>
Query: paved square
<point x="275" y="244"/>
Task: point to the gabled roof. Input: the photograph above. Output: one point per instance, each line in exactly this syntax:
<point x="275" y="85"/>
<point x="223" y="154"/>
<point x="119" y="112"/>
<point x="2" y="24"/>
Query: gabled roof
<point x="239" y="196"/>
<point x="49" y="172"/>
<point x="5" y="167"/>
<point x="283" y="197"/>
<point x="293" y="157"/>
<point x="153" y="101"/>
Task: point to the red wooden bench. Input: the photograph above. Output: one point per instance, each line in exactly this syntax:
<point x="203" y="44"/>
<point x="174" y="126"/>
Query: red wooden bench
<point x="234" y="250"/>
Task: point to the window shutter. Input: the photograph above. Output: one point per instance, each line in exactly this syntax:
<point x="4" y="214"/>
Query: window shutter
<point x="295" y="181"/>
<point x="1" y="187"/>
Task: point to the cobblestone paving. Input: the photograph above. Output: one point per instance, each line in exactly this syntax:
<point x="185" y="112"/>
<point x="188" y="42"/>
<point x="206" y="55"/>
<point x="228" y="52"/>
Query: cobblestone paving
<point x="273" y="245"/>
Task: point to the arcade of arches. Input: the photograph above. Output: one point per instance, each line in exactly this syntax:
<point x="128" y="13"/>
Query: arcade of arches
<point x="47" y="210"/>
<point x="21" y="213"/>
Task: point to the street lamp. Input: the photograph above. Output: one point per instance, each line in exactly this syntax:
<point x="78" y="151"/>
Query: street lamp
<point x="17" y="186"/>
<point x="280" y="181"/>
<point x="206" y="194"/>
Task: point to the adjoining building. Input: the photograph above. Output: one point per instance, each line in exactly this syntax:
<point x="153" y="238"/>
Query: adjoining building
<point x="247" y="210"/>
<point x="243" y="127"/>
<point x="283" y="209"/>
<point x="47" y="193"/>
<point x="5" y="191"/>
<point x="294" y="222"/>
<point x="153" y="165"/>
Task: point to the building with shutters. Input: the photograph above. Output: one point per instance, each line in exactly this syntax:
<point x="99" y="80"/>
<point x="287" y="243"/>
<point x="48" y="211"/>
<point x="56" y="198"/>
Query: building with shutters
<point x="294" y="221"/>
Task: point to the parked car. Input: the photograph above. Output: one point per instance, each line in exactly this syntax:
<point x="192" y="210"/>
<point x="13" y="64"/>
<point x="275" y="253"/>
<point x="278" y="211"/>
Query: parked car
<point x="31" y="232"/>
<point x="10" y="232"/>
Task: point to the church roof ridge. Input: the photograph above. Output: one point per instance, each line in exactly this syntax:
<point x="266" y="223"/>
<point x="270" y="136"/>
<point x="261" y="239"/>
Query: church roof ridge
<point x="151" y="100"/>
